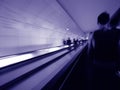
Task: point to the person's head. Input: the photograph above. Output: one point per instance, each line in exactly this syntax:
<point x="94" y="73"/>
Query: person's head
<point x="103" y="18"/>
<point x="115" y="20"/>
<point x="114" y="23"/>
<point x="68" y="38"/>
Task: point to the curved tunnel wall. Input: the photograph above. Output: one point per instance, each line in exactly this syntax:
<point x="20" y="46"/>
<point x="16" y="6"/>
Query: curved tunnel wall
<point x="27" y="25"/>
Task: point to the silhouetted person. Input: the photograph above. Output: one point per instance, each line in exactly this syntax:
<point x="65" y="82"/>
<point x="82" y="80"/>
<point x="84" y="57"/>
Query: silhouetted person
<point x="115" y="21"/>
<point x="64" y="42"/>
<point x="75" y="42"/>
<point x="100" y="41"/>
<point x="69" y="42"/>
<point x="103" y="54"/>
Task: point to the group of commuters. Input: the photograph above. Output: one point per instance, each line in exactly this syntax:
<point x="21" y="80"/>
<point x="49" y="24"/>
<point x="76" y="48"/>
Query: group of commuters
<point x="104" y="51"/>
<point x="73" y="43"/>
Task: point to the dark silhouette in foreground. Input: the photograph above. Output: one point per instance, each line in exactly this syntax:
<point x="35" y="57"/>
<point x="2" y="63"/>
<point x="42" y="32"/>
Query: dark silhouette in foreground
<point x="103" y="56"/>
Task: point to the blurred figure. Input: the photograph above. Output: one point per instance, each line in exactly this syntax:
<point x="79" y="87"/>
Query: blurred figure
<point x="101" y="40"/>
<point x="81" y="41"/>
<point x="64" y="42"/>
<point x="115" y="21"/>
<point x="75" y="43"/>
<point x="69" y="42"/>
<point x="103" y="54"/>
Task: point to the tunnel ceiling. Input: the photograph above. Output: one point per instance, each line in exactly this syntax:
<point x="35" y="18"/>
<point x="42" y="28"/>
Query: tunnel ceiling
<point x="45" y="13"/>
<point x="85" y="12"/>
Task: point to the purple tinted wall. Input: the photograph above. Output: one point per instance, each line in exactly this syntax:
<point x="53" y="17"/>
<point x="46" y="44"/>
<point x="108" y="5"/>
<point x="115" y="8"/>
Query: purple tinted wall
<point x="27" y="25"/>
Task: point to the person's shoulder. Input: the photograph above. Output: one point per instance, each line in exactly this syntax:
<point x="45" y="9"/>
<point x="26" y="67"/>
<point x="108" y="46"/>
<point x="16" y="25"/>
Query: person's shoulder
<point x="99" y="31"/>
<point x="117" y="30"/>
